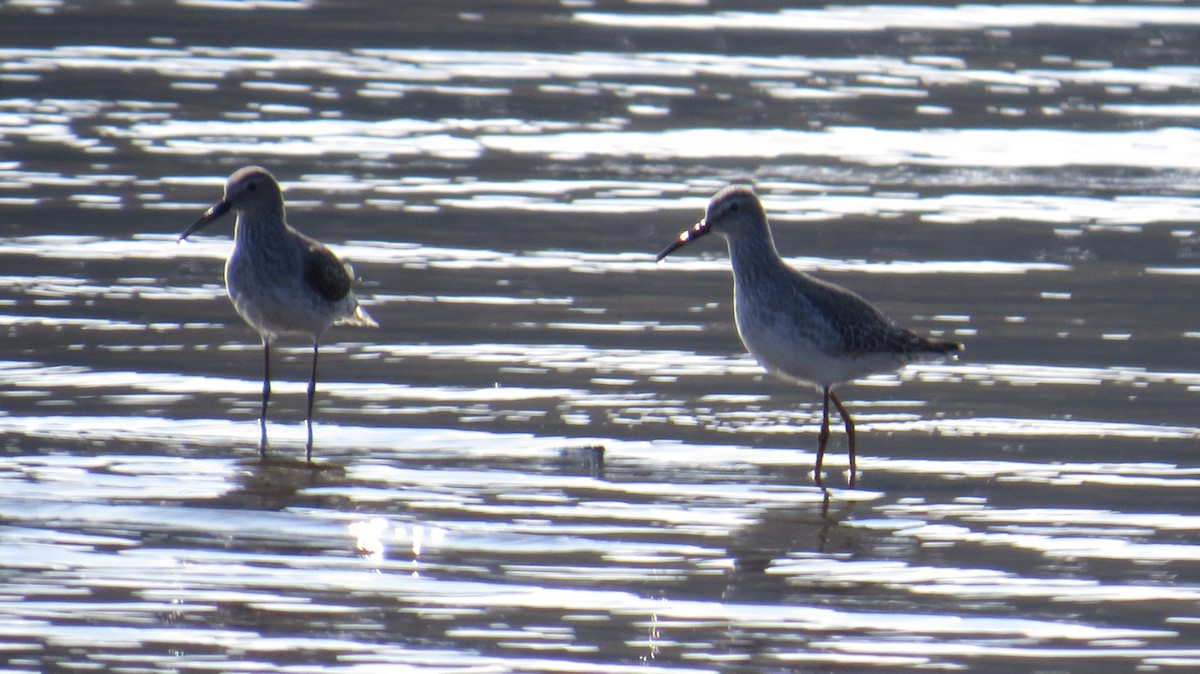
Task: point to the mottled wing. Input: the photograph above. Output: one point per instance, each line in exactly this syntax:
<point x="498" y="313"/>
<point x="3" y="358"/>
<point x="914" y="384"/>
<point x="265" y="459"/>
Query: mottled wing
<point x="325" y="273"/>
<point x="862" y="328"/>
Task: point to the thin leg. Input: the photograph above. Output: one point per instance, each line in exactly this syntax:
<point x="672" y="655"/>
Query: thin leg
<point x="823" y="438"/>
<point x="849" y="434"/>
<point x="262" y="417"/>
<point x="312" y="393"/>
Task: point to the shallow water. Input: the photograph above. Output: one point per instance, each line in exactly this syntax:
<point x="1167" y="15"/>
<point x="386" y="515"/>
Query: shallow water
<point x="555" y="455"/>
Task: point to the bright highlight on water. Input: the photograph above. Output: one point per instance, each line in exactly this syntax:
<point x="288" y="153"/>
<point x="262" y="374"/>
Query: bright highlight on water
<point x="799" y="327"/>
<point x="280" y="281"/>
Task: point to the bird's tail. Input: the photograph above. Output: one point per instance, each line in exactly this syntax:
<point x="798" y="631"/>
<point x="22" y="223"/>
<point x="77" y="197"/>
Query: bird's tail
<point x="933" y="348"/>
<point x="360" y="318"/>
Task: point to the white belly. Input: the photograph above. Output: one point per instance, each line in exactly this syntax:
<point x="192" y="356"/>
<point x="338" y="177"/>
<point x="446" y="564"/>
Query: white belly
<point x="806" y="352"/>
<point x="278" y="301"/>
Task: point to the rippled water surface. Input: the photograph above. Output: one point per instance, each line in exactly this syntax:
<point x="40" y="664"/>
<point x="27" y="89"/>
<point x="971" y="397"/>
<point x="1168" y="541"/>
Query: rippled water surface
<point x="555" y="455"/>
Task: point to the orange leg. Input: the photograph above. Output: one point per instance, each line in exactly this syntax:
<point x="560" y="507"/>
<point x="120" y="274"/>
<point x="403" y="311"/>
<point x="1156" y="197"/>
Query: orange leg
<point x="823" y="437"/>
<point x="849" y="422"/>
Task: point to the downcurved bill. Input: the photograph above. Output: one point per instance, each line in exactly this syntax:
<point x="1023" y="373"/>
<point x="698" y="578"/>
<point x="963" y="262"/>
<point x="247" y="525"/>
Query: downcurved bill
<point x="218" y="209"/>
<point x="694" y="232"/>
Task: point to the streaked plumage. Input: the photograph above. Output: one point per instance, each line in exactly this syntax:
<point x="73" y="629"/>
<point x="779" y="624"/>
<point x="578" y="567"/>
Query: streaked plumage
<point x="800" y="327"/>
<point x="280" y="281"/>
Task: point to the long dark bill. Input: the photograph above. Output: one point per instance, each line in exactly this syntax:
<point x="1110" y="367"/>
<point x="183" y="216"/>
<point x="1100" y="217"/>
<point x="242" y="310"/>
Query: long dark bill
<point x="218" y="209"/>
<point x="696" y="231"/>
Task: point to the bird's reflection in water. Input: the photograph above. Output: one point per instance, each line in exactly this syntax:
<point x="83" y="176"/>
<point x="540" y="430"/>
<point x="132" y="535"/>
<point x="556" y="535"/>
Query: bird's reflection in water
<point x="275" y="483"/>
<point x="780" y="532"/>
<point x="585" y="460"/>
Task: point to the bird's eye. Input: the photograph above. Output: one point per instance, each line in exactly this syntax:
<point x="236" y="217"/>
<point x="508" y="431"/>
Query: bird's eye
<point x="252" y="186"/>
<point x="733" y="208"/>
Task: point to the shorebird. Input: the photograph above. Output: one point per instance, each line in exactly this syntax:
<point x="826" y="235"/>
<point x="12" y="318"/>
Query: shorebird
<point x="797" y="326"/>
<point x="280" y="281"/>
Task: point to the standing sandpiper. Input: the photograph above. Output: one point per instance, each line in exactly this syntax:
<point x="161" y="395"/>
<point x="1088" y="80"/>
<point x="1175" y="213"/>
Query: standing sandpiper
<point x="280" y="281"/>
<point x="799" y="327"/>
